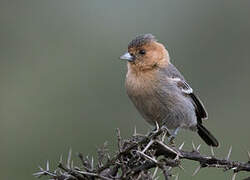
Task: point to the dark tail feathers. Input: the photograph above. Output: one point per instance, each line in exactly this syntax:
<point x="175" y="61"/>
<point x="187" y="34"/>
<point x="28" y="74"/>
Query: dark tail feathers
<point x="207" y="136"/>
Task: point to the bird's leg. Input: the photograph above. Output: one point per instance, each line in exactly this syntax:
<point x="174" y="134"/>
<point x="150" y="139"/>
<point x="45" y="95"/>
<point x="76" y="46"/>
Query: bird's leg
<point x="156" y="130"/>
<point x="176" y="131"/>
<point x="166" y="132"/>
<point x="173" y="135"/>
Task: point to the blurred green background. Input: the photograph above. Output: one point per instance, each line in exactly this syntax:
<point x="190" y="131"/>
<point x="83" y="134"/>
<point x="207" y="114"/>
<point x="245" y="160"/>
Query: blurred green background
<point x="62" y="84"/>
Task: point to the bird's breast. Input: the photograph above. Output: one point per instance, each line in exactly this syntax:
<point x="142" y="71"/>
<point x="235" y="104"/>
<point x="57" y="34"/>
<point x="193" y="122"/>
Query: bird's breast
<point x="160" y="101"/>
<point x="142" y="91"/>
<point x="139" y="85"/>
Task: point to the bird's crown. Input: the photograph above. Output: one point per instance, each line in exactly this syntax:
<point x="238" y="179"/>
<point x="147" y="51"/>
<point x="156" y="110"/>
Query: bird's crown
<point x="141" y="40"/>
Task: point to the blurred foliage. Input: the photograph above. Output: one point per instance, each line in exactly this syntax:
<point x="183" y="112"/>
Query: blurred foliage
<point x="62" y="85"/>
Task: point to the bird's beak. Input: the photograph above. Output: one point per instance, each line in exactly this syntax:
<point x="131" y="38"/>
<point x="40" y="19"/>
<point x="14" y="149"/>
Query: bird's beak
<point x="127" y="57"/>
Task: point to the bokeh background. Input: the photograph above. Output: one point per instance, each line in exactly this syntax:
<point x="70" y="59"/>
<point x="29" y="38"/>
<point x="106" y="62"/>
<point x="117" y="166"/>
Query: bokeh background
<point x="62" y="84"/>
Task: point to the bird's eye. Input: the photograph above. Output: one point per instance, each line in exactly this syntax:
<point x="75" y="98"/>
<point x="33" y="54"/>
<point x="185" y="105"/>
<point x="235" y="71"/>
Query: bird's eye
<point x="142" y="52"/>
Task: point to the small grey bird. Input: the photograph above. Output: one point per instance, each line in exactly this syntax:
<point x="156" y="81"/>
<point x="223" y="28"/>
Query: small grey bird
<point x="160" y="92"/>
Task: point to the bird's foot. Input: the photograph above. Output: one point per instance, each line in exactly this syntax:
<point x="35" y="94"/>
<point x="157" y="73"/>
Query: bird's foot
<point x="171" y="140"/>
<point x="155" y="131"/>
<point x="166" y="133"/>
<point x="172" y="136"/>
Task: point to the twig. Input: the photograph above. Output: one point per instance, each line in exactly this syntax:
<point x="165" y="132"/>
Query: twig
<point x="136" y="156"/>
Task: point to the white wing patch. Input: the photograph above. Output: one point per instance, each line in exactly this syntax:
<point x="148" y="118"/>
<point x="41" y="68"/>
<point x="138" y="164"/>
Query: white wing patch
<point x="183" y="85"/>
<point x="186" y="89"/>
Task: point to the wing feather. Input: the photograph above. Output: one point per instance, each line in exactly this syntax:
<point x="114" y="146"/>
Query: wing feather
<point x="175" y="75"/>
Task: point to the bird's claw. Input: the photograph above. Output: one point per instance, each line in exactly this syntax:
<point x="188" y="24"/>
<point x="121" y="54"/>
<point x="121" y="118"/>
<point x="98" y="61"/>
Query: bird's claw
<point x="171" y="139"/>
<point x="172" y="136"/>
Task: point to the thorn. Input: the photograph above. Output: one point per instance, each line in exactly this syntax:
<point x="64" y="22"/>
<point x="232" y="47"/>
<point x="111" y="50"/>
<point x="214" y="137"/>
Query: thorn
<point x="60" y="172"/>
<point x="194" y="148"/>
<point x="212" y="151"/>
<point x="47" y="166"/>
<point x="234" y="176"/>
<point x="229" y="153"/>
<point x="69" y="158"/>
<point x="164" y="127"/>
<point x="61" y="159"/>
<point x="41" y="169"/>
<point x="181" y="146"/>
<point x="248" y="154"/>
<point x="108" y="157"/>
<point x="105" y="144"/>
<point x="182" y="168"/>
<point x="119" y="138"/>
<point x="38" y="174"/>
<point x="157" y="178"/>
<point x="155" y="172"/>
<point x="196" y="170"/>
<point x="198" y="147"/>
<point x="139" y="177"/>
<point x="72" y="164"/>
<point x="135" y="132"/>
<point x="118" y="132"/>
<point x="177" y="157"/>
<point x="176" y="176"/>
<point x="164" y="136"/>
<point x="157" y="126"/>
<point x="92" y="163"/>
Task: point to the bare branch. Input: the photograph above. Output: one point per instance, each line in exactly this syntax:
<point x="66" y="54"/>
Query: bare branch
<point x="136" y="157"/>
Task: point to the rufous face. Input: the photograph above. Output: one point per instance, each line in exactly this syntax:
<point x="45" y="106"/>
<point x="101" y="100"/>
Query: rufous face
<point x="147" y="54"/>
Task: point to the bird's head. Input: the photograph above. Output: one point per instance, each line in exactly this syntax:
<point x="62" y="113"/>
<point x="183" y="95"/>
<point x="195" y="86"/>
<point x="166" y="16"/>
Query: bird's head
<point x="145" y="53"/>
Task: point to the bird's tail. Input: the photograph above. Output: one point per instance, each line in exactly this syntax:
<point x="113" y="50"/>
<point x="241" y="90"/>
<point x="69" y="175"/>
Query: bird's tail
<point x="207" y="136"/>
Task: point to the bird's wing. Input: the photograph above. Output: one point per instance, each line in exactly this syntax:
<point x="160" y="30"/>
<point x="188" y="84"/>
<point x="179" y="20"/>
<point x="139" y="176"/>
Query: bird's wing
<point x="176" y="76"/>
<point x="186" y="89"/>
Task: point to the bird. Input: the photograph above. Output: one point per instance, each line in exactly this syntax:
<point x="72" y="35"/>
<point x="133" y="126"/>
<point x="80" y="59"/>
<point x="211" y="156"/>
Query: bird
<point x="160" y="92"/>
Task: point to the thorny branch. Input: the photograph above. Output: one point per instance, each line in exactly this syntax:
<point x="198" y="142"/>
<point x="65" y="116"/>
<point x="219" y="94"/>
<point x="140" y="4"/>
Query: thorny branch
<point x="135" y="158"/>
